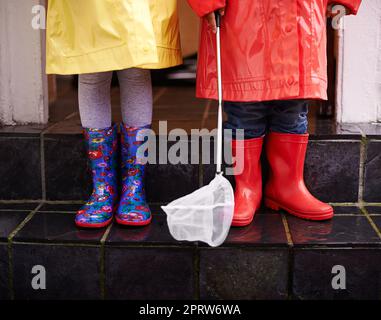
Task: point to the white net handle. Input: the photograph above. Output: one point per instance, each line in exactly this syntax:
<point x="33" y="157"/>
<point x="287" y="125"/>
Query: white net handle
<point x="219" y="81"/>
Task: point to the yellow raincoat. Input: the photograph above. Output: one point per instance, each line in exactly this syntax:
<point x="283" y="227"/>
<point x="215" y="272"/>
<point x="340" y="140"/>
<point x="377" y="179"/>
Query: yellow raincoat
<point x="86" y="36"/>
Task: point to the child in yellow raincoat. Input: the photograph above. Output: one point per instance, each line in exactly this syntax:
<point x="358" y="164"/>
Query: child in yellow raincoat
<point x="93" y="38"/>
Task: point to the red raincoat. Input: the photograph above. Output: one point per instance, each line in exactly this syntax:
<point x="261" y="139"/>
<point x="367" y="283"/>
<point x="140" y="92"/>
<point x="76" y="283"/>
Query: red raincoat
<point x="271" y="49"/>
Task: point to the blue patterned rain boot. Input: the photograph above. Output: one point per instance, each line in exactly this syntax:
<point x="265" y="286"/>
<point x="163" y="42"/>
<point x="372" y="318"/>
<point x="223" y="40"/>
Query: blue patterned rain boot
<point x="98" y="211"/>
<point x="133" y="209"/>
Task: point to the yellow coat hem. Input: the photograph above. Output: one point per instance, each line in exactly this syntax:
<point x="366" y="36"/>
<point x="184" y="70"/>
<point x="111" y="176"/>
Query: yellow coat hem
<point x="112" y="59"/>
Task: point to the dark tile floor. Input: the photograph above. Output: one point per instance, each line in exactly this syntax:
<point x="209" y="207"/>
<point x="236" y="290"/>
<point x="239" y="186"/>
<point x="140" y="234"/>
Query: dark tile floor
<point x="244" y="273"/>
<point x="372" y="171"/>
<point x="53" y="227"/>
<point x="313" y="273"/>
<point x="330" y="162"/>
<point x="157" y="233"/>
<point x="340" y="231"/>
<point x="276" y="257"/>
<point x="146" y="273"/>
<point x="20" y="159"/>
<point x="72" y="272"/>
<point x="54" y="223"/>
<point x="4" y="272"/>
<point x="55" y="218"/>
<point x="267" y="229"/>
<point x="9" y="220"/>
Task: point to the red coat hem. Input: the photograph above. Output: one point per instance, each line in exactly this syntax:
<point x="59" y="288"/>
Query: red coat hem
<point x="313" y="91"/>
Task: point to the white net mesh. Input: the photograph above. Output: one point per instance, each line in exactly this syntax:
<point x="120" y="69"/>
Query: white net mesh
<point x="204" y="215"/>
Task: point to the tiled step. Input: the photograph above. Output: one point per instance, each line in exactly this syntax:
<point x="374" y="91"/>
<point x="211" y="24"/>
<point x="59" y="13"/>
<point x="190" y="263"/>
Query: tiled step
<point x="276" y="257"/>
<point x="342" y="165"/>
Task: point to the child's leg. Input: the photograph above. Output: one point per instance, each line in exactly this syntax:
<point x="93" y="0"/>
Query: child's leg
<point x="136" y="96"/>
<point x="94" y="100"/>
<point x="101" y="142"/>
<point x="286" y="151"/>
<point x="136" y="99"/>
<point x="252" y="117"/>
<point x="288" y="116"/>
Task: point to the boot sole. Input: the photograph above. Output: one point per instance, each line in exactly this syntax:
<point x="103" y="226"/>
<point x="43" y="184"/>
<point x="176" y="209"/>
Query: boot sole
<point x="93" y="225"/>
<point x="276" y="206"/>
<point x="242" y="223"/>
<point x="129" y="223"/>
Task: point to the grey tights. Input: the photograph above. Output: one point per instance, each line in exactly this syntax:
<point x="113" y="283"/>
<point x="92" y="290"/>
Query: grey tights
<point x="135" y="97"/>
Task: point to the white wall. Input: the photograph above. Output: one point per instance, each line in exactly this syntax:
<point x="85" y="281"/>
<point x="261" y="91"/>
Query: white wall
<point x="359" y="69"/>
<point x="23" y="85"/>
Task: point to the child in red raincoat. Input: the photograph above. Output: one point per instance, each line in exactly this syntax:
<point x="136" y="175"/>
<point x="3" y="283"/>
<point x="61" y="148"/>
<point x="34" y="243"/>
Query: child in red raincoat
<point x="273" y="62"/>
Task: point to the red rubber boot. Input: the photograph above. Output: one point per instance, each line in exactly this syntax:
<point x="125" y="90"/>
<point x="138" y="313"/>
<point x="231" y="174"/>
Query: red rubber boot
<point x="248" y="190"/>
<point x="285" y="188"/>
